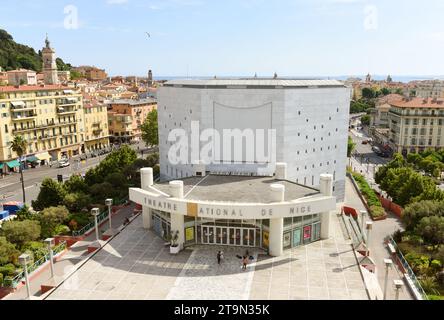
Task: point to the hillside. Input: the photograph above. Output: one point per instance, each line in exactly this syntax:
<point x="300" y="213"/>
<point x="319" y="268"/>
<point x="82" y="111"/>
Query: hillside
<point x="14" y="55"/>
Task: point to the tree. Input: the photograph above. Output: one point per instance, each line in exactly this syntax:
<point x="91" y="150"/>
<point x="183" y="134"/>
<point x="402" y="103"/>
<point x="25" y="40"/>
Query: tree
<point x="24" y="213"/>
<point x="114" y="162"/>
<point x="50" y="218"/>
<point x="19" y="146"/>
<point x="8" y="252"/>
<point x="414" y="212"/>
<point x="431" y="229"/>
<point x="51" y="194"/>
<point x="149" y="129"/>
<point x="19" y="232"/>
<point x="368" y="93"/>
<point x="350" y="147"/>
<point x="75" y="184"/>
<point x="385" y="91"/>
<point x="102" y="191"/>
<point x="75" y="202"/>
<point x="365" y="120"/>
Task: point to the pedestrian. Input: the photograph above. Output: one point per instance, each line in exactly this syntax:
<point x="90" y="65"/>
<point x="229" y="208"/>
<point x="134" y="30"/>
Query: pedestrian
<point x="218" y="257"/>
<point x="244" y="262"/>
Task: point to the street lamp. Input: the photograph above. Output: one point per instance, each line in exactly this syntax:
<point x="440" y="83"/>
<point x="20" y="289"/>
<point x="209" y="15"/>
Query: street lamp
<point x="109" y="203"/>
<point x="369" y="225"/>
<point x="398" y="285"/>
<point x="363" y="212"/>
<point x="388" y="264"/>
<point x="23" y="260"/>
<point x="95" y="213"/>
<point x="50" y="242"/>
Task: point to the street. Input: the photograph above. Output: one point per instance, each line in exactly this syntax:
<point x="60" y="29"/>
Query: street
<point x="11" y="189"/>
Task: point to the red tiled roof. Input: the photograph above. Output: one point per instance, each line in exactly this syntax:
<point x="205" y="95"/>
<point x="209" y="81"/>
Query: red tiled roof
<point x="33" y="88"/>
<point x="418" y="103"/>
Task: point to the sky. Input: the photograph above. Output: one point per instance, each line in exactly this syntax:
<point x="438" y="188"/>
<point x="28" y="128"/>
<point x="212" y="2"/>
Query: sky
<point x="236" y="37"/>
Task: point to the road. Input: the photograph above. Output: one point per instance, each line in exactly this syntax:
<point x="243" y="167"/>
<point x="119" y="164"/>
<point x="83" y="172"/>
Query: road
<point x="11" y="189"/>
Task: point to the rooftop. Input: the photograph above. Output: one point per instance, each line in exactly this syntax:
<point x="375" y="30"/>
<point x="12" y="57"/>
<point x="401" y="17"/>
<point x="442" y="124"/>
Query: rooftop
<point x="242" y="189"/>
<point x="33" y="88"/>
<point x="418" y="103"/>
<point x="255" y="82"/>
<point x="133" y="102"/>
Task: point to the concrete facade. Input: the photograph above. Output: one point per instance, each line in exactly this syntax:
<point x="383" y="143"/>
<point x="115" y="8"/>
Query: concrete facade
<point x="310" y="118"/>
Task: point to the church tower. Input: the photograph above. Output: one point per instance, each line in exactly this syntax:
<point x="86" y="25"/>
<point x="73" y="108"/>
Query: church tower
<point x="150" y="78"/>
<point x="49" y="64"/>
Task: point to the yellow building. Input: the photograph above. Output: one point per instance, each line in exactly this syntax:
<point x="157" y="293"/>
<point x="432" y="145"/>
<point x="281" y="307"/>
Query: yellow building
<point x="96" y="134"/>
<point x="49" y="117"/>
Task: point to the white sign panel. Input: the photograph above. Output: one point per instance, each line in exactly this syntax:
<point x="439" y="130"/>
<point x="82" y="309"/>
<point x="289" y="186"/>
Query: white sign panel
<point x="233" y="210"/>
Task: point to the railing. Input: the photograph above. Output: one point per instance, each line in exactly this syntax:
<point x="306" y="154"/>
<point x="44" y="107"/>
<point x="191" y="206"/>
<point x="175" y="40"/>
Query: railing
<point x="407" y="268"/>
<point x="12" y="282"/>
<point x="102" y="216"/>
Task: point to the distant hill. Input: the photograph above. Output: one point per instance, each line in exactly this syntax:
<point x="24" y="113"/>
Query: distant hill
<point x="14" y="55"/>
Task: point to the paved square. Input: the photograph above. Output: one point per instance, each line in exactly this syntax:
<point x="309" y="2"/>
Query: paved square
<point x="136" y="265"/>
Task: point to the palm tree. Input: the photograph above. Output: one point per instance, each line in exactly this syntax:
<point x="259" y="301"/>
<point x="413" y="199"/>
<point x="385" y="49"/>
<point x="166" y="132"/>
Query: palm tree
<point x="19" y="146"/>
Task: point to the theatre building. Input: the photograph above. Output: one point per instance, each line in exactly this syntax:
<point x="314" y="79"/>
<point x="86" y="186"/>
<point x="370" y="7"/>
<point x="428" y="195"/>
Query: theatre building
<point x="268" y="212"/>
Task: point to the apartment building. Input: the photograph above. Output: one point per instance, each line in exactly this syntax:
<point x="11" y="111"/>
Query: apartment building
<point x="416" y="124"/>
<point x="430" y="89"/>
<point x="92" y="73"/>
<point x="22" y="77"/>
<point x="96" y="134"/>
<point x="49" y="117"/>
<point x="126" y="117"/>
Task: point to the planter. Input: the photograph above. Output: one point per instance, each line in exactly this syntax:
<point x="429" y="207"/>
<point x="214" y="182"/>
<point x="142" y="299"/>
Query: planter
<point x="174" y="250"/>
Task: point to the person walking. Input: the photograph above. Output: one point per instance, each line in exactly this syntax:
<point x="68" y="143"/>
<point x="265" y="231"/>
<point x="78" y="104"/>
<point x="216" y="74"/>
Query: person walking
<point x="218" y="257"/>
<point x="244" y="262"/>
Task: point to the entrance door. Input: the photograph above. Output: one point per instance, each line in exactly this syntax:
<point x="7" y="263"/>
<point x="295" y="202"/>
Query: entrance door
<point x="232" y="236"/>
<point x="238" y="236"/>
<point x="287" y="240"/>
<point x="221" y="235"/>
<point x="297" y="237"/>
<point x="316" y="231"/>
<point x="207" y="235"/>
<point x="307" y="234"/>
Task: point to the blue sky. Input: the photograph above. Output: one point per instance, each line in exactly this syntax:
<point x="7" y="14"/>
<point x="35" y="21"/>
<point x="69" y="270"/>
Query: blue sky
<point x="238" y="37"/>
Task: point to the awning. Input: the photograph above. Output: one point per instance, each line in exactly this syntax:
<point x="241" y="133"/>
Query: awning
<point x="32" y="159"/>
<point x="43" y="156"/>
<point x="68" y="91"/>
<point x="18" y="103"/>
<point x="13" y="164"/>
<point x="71" y="100"/>
<point x="1" y="165"/>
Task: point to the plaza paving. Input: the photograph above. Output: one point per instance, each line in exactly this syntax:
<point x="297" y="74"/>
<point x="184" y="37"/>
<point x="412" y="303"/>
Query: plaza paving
<point x="136" y="265"/>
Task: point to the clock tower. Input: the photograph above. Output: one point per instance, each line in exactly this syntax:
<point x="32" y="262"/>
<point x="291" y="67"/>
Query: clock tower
<point x="49" y="64"/>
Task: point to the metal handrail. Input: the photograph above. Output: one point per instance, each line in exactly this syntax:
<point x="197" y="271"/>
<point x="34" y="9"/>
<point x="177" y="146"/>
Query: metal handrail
<point x="13" y="282"/>
<point x="408" y="269"/>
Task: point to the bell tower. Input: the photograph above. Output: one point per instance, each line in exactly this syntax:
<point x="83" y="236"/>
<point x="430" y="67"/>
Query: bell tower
<point x="49" y="63"/>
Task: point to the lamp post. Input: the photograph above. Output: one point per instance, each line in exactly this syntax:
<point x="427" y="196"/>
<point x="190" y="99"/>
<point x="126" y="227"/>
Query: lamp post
<point x="109" y="203"/>
<point x="398" y="285"/>
<point x="95" y="213"/>
<point x="363" y="212"/>
<point x="50" y="242"/>
<point x="369" y="225"/>
<point x="23" y="260"/>
<point x="388" y="264"/>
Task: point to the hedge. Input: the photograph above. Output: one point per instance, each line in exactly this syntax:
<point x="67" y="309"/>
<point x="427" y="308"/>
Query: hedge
<point x="376" y="209"/>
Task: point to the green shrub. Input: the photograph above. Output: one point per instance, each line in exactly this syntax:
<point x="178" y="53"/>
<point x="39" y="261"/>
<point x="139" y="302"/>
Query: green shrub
<point x="430" y="285"/>
<point x="62" y="230"/>
<point x="19" y="232"/>
<point x="7" y="270"/>
<point x="1" y="280"/>
<point x="38" y="249"/>
<point x="377" y="211"/>
<point x="369" y="193"/>
<point x="75" y="202"/>
<point x="435" y="297"/>
<point x="50" y="218"/>
<point x="81" y="219"/>
<point x="436" y="265"/>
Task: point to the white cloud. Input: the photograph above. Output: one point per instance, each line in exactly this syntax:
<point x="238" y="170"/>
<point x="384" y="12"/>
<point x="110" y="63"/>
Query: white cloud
<point x="117" y="1"/>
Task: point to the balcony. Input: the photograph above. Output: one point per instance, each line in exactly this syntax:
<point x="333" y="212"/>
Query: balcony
<point x="67" y="102"/>
<point x="96" y="132"/>
<point x="47" y="137"/>
<point x="25" y="116"/>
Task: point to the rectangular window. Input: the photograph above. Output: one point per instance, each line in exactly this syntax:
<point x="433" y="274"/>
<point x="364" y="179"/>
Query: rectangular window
<point x="6" y="130"/>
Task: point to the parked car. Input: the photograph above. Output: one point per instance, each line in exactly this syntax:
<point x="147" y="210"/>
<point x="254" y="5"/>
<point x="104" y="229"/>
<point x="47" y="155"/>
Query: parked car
<point x="64" y="163"/>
